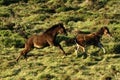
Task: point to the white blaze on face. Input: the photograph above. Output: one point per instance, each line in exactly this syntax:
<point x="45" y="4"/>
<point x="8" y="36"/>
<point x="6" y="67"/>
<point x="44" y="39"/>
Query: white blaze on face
<point x="106" y="33"/>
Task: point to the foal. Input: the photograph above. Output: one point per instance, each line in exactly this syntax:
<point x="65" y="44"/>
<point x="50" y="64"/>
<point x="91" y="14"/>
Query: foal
<point x="84" y="40"/>
<point x="48" y="38"/>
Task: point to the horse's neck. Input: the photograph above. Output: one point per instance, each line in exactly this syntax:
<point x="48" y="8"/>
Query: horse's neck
<point x="99" y="34"/>
<point x="53" y="32"/>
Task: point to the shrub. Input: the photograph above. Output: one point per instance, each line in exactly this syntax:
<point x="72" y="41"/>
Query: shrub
<point x="8" y="39"/>
<point x="63" y="9"/>
<point x="117" y="48"/>
<point x="4" y="33"/>
<point x="7" y="2"/>
<point x="36" y="17"/>
<point x="37" y="1"/>
<point x="4" y="12"/>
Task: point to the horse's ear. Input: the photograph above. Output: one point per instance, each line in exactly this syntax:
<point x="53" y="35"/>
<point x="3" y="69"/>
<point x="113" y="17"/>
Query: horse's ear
<point x="103" y="28"/>
<point x="61" y="24"/>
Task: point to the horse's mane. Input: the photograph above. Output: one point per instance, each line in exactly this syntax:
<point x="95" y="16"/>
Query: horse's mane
<point x="101" y="30"/>
<point x="53" y="27"/>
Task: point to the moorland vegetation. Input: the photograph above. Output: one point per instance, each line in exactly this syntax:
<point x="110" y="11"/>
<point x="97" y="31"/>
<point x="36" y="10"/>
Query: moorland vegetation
<point x="19" y="19"/>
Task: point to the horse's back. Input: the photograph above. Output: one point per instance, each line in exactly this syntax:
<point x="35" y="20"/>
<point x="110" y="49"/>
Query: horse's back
<point x="38" y="41"/>
<point x="85" y="36"/>
<point x="85" y="39"/>
<point x="81" y="37"/>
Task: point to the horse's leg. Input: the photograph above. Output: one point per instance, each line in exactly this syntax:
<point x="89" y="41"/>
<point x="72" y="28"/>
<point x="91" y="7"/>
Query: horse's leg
<point x="24" y="52"/>
<point x="84" y="52"/>
<point x="101" y="47"/>
<point x="61" y="48"/>
<point x="52" y="42"/>
<point x="19" y="56"/>
<point x="76" y="51"/>
<point x="83" y="49"/>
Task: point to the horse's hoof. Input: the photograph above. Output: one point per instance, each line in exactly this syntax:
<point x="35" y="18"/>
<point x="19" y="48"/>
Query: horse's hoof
<point x="63" y="57"/>
<point x="85" y="56"/>
<point x="25" y="59"/>
<point x="16" y="60"/>
<point x="66" y="54"/>
<point x="78" y="55"/>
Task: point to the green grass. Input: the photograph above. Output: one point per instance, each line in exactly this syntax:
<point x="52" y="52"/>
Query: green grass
<point x="34" y="17"/>
<point x="53" y="65"/>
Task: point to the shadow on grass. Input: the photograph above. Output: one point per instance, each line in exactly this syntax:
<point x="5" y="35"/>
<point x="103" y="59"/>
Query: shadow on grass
<point x="69" y="41"/>
<point x="35" y="55"/>
<point x="116" y="56"/>
<point x="117" y="49"/>
<point x="46" y="77"/>
<point x="14" y="73"/>
<point x="96" y="53"/>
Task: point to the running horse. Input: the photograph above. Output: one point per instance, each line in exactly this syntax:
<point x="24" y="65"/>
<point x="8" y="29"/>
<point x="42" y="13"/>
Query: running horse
<point x="84" y="40"/>
<point x="48" y="38"/>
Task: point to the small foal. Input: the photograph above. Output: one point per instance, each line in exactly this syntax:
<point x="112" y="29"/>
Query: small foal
<point x="84" y="40"/>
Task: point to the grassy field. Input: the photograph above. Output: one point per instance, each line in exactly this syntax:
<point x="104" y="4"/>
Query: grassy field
<point x="21" y="19"/>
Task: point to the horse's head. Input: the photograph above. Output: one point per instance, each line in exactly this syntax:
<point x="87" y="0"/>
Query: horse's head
<point x="62" y="29"/>
<point x="106" y="31"/>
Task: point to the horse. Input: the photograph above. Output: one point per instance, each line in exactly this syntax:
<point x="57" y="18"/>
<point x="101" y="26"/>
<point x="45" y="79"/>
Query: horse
<point x="84" y="40"/>
<point x="48" y="38"/>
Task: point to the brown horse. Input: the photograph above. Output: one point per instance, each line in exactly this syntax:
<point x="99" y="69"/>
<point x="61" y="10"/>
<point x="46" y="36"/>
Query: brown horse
<point x="48" y="38"/>
<point x="84" y="40"/>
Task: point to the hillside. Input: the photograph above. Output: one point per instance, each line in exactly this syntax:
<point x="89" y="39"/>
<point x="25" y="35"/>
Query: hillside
<point x="19" y="19"/>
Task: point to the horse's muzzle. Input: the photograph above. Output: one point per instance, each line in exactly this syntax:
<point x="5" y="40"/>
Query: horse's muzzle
<point x="110" y="36"/>
<point x="65" y="34"/>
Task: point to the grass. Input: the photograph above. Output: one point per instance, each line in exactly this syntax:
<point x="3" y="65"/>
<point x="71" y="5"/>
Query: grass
<point x="53" y="66"/>
<point x="34" y="17"/>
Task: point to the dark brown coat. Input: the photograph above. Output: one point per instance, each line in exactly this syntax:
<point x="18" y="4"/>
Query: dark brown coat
<point x="48" y="38"/>
<point x="84" y="40"/>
